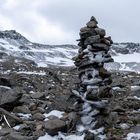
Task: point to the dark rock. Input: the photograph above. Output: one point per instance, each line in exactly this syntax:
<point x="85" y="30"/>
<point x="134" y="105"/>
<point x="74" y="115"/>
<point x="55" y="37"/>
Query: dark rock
<point x="10" y="98"/>
<point x="5" y="82"/>
<point x="92" y="40"/>
<point x="54" y="126"/>
<point x="93" y="19"/>
<point x="89" y="136"/>
<point x="92" y="24"/>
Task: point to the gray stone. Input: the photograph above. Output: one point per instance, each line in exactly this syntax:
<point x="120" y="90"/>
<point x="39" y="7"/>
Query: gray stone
<point x="92" y="24"/>
<point x="136" y="91"/>
<point x="100" y="31"/>
<point x="16" y="136"/>
<point x="38" y="95"/>
<point x="101" y="46"/>
<point x="85" y="29"/>
<point x="92" y="40"/>
<point x="54" y="126"/>
<point x="89" y="136"/>
<point x="93" y="19"/>
<point x="21" y="109"/>
<point x="38" y="116"/>
<point x="10" y="97"/>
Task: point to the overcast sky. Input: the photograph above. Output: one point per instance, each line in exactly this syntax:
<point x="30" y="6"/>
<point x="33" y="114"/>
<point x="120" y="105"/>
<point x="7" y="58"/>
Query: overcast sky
<point x="59" y="21"/>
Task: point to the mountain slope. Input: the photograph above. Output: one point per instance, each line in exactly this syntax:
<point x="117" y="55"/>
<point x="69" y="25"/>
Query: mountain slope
<point x="14" y="45"/>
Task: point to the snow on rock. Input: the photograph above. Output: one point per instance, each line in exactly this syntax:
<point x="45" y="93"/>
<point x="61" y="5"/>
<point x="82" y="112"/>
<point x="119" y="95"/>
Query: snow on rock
<point x="56" y="113"/>
<point x="133" y="136"/>
<point x="24" y="116"/>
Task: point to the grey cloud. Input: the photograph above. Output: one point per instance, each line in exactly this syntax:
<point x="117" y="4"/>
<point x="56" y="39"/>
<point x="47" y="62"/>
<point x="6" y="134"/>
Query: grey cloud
<point x="120" y="18"/>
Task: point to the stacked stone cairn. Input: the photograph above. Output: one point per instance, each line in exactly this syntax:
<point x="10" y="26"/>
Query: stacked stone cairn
<point x="94" y="88"/>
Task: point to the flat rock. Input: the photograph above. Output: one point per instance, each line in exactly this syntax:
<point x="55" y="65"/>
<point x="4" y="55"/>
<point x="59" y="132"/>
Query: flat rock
<point x="54" y="126"/>
<point x="92" y="39"/>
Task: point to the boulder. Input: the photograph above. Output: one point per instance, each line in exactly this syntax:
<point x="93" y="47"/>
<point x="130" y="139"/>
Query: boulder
<point x="54" y="126"/>
<point x="38" y="116"/>
<point x="10" y="98"/>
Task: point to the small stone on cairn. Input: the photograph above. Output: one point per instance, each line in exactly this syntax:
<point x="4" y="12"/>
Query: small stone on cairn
<point x="94" y="89"/>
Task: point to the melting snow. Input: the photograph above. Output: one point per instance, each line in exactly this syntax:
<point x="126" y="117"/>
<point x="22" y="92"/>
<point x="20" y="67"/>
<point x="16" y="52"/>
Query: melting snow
<point x="24" y="115"/>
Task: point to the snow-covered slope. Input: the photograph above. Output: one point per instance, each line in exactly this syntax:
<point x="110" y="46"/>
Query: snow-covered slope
<point x="126" y="57"/>
<point x="13" y="44"/>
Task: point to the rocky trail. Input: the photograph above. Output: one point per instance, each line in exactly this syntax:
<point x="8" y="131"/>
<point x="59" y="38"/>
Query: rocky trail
<point x="37" y="102"/>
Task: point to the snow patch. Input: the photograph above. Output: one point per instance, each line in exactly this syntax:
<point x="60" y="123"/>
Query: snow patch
<point x="60" y="135"/>
<point x="133" y="136"/>
<point x="56" y="113"/>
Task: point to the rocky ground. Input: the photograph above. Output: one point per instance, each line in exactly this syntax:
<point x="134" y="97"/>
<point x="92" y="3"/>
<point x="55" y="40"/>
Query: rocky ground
<point x="35" y="101"/>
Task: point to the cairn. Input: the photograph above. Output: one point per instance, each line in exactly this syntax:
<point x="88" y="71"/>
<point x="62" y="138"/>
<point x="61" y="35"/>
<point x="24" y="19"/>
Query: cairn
<point x="94" y="89"/>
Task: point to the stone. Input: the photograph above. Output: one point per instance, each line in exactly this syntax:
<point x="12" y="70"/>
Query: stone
<point x="93" y="19"/>
<point x="10" y="98"/>
<point x="41" y="110"/>
<point x="38" y="116"/>
<point x="104" y="92"/>
<point x="84" y="35"/>
<point x="92" y="40"/>
<point x="32" y="106"/>
<point x="37" y="95"/>
<point x="101" y="46"/>
<point x="89" y="136"/>
<point x="5" y="82"/>
<point x="136" y="91"/>
<point x="21" y="109"/>
<point x="100" y="32"/>
<point x="52" y="127"/>
<point x="16" y="136"/>
<point x="52" y="117"/>
<point x="92" y="24"/>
